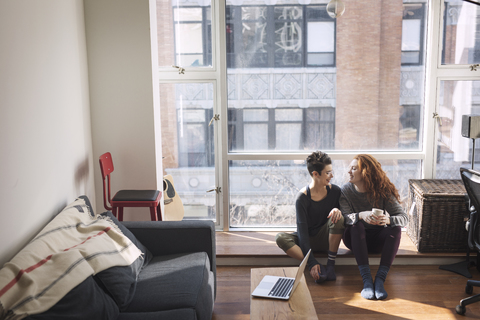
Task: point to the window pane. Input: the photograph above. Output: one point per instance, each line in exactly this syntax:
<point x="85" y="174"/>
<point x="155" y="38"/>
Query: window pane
<point x="461" y="45"/>
<point x="263" y="193"/>
<point x="188" y="145"/>
<point x="411" y="35"/>
<point x="411" y="57"/>
<point x="327" y="32"/>
<point x="320" y="59"/>
<point x="187" y="14"/>
<point x="288" y="136"/>
<point x="457" y="98"/>
<point x="256" y="137"/>
<point x="255" y="115"/>
<point x="184" y="34"/>
<point x="288" y="115"/>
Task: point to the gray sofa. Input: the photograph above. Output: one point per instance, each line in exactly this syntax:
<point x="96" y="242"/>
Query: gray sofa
<point x="175" y="279"/>
<point x="179" y="282"/>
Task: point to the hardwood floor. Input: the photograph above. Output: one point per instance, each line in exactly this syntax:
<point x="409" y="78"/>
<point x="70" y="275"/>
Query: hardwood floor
<point x="417" y="288"/>
<point x="415" y="292"/>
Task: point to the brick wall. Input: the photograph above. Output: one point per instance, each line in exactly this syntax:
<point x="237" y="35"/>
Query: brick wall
<point x="166" y="57"/>
<point x="368" y="75"/>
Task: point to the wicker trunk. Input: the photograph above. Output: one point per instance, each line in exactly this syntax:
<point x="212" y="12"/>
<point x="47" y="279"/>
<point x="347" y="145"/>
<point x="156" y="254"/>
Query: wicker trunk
<point x="437" y="213"/>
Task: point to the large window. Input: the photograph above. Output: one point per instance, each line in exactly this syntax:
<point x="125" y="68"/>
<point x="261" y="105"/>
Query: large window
<point x="253" y="97"/>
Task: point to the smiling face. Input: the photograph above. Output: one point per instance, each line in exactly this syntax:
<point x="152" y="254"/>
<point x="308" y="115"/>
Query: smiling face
<point x="325" y="176"/>
<point x="354" y="172"/>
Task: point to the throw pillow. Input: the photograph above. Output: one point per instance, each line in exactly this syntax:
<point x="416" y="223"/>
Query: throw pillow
<point x="120" y="281"/>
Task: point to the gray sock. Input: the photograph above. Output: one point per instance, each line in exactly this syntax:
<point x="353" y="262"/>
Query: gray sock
<point x="368" y="292"/>
<point x="380" y="278"/>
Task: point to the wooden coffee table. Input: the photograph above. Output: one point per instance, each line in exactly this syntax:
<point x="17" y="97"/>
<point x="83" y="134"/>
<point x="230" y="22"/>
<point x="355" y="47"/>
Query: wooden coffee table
<point x="299" y="306"/>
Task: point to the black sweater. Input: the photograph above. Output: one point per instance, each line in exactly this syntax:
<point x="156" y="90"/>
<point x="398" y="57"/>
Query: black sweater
<point x="312" y="215"/>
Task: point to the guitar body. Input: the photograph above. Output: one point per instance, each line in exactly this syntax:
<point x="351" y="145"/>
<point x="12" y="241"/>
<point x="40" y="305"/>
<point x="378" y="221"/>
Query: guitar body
<point x="173" y="206"/>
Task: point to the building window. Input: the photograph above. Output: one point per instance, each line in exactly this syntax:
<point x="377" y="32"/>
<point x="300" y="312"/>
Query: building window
<point x="279" y="36"/>
<point x="412" y="33"/>
<point x="195" y="146"/>
<point x="281" y="129"/>
<point x="195" y="49"/>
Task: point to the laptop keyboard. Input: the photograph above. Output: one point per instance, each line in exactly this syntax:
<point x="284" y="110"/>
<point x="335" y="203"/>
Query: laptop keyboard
<point x="281" y="288"/>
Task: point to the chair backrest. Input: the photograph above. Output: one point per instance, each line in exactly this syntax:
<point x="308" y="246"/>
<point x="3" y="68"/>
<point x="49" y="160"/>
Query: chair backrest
<point x="106" y="167"/>
<point x="471" y="180"/>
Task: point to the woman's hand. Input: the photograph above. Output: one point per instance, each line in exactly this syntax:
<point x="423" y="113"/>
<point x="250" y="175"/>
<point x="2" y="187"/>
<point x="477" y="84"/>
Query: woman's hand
<point x="370" y="218"/>
<point x="366" y="216"/>
<point x="315" y="271"/>
<point x="336" y="215"/>
<point x="383" y="219"/>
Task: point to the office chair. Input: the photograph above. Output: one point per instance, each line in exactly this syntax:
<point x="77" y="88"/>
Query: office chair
<point x="471" y="180"/>
<point x="127" y="198"/>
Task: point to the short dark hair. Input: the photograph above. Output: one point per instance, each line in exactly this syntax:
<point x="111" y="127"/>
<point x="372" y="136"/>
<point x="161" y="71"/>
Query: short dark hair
<point x="317" y="162"/>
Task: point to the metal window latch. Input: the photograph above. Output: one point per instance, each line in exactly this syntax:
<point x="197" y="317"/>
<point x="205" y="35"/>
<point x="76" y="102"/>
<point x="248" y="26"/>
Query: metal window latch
<point x="217" y="190"/>
<point x="437" y="116"/>
<point x="215" y="117"/>
<point x="473" y="67"/>
<point x="180" y="69"/>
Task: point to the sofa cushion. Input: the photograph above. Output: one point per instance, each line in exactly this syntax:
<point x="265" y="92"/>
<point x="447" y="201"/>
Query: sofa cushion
<point x="120" y="281"/>
<point x="85" y="301"/>
<point x="182" y="281"/>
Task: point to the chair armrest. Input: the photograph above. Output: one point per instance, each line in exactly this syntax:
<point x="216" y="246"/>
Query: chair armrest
<point x="173" y="237"/>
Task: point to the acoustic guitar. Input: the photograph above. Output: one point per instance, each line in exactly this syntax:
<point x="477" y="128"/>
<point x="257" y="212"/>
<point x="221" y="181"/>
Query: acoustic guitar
<point x="173" y="206"/>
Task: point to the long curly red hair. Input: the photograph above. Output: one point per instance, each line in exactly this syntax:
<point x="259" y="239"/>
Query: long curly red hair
<point x="376" y="182"/>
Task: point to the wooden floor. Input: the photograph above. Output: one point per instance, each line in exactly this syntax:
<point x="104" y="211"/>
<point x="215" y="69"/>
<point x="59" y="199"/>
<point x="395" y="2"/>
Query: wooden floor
<point x="415" y="291"/>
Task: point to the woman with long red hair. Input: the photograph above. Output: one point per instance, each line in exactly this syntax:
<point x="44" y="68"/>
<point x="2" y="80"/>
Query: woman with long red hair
<point x="367" y="232"/>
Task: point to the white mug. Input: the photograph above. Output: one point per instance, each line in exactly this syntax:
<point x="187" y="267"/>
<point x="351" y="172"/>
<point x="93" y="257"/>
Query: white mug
<point x="377" y="212"/>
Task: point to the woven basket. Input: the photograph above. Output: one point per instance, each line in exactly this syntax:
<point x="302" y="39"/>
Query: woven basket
<point x="437" y="214"/>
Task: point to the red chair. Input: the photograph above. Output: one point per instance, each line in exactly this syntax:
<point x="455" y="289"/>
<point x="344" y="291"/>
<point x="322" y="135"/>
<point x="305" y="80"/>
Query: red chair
<point x="128" y="198"/>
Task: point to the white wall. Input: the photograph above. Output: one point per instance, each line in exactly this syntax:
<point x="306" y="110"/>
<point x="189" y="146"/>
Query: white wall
<point x="45" y="137"/>
<point x="123" y="95"/>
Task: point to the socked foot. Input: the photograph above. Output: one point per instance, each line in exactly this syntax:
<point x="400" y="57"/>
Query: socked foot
<point x="368" y="292"/>
<point x="380" y="292"/>
<point x="331" y="276"/>
<point x="322" y="275"/>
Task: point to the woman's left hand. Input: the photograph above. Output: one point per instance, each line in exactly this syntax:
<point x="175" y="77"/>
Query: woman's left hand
<point x="381" y="220"/>
<point x="336" y="215"/>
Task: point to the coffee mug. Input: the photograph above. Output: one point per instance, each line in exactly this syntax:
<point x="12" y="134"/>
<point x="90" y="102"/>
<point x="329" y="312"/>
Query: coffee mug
<point x="377" y="212"/>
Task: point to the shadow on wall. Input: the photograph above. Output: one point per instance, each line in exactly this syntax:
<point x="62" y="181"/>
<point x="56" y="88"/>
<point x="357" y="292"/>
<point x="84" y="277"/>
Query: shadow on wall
<point x="81" y="177"/>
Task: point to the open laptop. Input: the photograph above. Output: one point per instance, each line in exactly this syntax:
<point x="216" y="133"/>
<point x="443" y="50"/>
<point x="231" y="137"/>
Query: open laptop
<point x="280" y="287"/>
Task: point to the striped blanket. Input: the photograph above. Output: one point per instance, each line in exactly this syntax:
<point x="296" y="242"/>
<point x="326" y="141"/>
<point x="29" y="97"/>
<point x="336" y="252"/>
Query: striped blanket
<point x="73" y="246"/>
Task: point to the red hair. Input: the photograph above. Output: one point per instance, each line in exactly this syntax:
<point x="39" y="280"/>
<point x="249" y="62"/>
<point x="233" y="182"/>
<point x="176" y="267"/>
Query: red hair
<point x="376" y="182"/>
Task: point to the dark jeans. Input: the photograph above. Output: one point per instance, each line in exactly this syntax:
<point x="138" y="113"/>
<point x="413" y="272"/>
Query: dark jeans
<point x="378" y="240"/>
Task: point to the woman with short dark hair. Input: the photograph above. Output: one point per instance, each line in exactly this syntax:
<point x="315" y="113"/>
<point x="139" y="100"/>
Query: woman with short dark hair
<point x="319" y="221"/>
<point x="368" y="188"/>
